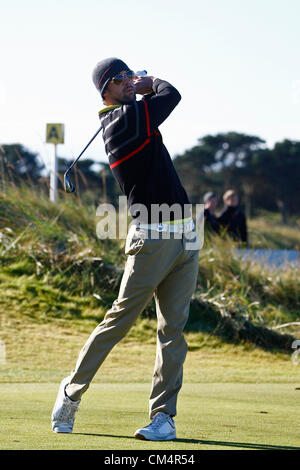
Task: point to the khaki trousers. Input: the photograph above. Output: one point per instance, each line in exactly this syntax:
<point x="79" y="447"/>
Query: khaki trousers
<point x="167" y="269"/>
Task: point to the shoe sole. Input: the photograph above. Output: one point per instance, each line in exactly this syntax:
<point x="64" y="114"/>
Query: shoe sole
<point x="144" y="438"/>
<point x="58" y="431"/>
<point x="140" y="436"/>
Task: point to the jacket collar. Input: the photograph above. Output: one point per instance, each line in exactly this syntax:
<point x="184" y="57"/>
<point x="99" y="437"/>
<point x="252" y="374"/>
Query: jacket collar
<point x="109" y="108"/>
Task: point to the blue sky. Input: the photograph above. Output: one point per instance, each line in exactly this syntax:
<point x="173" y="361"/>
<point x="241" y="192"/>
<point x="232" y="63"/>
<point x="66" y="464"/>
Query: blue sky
<point x="235" y="63"/>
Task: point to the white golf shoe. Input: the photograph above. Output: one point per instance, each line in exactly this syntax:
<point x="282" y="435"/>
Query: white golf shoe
<point x="161" y="428"/>
<point x="63" y="414"/>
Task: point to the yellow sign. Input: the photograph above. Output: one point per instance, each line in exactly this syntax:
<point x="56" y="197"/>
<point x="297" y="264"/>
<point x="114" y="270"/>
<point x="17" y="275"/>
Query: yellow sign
<point x="55" y="133"/>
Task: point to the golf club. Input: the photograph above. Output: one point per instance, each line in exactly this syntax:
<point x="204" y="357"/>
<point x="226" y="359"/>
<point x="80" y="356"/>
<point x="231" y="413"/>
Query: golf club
<point x="69" y="186"/>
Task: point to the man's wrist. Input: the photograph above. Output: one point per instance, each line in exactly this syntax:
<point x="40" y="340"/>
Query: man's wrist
<point x="154" y="84"/>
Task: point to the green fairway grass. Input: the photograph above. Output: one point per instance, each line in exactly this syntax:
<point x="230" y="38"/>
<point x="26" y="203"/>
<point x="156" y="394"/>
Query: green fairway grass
<point x="211" y="416"/>
<point x="57" y="282"/>
<point x="234" y="396"/>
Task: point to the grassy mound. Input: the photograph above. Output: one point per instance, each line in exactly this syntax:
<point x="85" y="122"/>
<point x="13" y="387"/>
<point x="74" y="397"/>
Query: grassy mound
<point x="54" y="267"/>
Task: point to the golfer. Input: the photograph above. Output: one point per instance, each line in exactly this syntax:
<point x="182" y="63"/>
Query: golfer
<point x="161" y="259"/>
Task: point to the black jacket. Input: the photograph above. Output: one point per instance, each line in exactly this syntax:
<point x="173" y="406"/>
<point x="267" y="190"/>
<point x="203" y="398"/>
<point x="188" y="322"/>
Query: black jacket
<point x="211" y="221"/>
<point x="234" y="221"/>
<point x="137" y="156"/>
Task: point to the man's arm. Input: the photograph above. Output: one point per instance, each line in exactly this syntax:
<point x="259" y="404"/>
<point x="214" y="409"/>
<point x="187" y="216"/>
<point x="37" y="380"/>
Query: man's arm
<point x="161" y="98"/>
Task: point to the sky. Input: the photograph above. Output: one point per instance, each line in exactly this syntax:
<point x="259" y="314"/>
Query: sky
<point x="235" y="63"/>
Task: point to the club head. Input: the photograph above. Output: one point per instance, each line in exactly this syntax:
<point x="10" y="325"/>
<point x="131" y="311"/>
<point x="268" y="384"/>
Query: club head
<point x="69" y="187"/>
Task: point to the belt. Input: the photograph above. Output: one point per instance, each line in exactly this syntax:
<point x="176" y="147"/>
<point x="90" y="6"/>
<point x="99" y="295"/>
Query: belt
<point x="167" y="227"/>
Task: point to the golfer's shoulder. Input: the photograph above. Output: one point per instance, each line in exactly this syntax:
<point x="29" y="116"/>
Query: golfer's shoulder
<point x="115" y="114"/>
<point x="127" y="117"/>
<point x="112" y="118"/>
<point x="123" y="124"/>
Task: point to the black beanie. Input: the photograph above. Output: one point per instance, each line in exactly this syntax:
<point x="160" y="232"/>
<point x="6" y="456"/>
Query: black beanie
<point x="106" y="70"/>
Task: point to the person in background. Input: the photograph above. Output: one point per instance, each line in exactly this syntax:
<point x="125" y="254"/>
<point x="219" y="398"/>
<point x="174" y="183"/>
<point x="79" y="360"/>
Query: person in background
<point x="232" y="219"/>
<point x="210" y="203"/>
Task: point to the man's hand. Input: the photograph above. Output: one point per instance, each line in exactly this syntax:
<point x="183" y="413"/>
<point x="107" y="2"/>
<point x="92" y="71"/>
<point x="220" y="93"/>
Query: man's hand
<point x="143" y="85"/>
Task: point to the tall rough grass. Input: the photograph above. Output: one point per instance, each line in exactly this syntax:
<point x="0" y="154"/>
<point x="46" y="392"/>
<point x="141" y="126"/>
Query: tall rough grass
<point x="52" y="265"/>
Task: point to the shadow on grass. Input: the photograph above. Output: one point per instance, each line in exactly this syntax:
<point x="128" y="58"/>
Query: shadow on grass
<point x="190" y="441"/>
<point x="246" y="445"/>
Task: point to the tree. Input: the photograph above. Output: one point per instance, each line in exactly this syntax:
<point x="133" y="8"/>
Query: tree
<point x="279" y="170"/>
<point x="19" y="164"/>
<point x="192" y="169"/>
<point x="217" y="163"/>
<point x="232" y="150"/>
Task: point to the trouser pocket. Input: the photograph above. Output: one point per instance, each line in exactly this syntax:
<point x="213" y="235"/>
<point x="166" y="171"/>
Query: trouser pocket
<point x="135" y="241"/>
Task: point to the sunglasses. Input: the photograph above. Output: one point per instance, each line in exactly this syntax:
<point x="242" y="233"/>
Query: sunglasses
<point x="119" y="78"/>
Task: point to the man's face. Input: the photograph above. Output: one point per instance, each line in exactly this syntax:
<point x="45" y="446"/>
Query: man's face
<point x="232" y="200"/>
<point x="122" y="93"/>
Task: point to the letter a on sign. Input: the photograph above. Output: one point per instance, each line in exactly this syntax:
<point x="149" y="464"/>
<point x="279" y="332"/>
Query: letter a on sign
<point x="55" y="133"/>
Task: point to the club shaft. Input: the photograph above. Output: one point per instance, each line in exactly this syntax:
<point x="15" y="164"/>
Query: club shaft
<point x="94" y="136"/>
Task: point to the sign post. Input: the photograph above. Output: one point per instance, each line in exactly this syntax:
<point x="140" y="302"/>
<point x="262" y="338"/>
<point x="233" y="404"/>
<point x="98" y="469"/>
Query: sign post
<point x="54" y="135"/>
